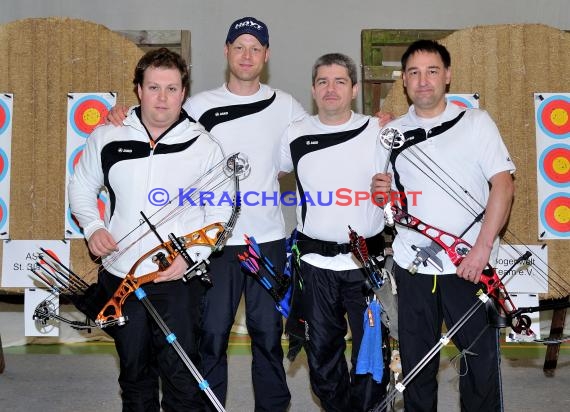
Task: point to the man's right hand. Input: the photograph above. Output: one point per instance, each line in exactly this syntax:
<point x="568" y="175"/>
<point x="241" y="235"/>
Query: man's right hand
<point x="101" y="243"/>
<point x="116" y="115"/>
<point x="380" y="186"/>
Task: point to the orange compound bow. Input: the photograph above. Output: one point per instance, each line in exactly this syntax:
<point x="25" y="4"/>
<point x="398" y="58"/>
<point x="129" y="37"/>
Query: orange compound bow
<point x="111" y="313"/>
<point x="60" y="279"/>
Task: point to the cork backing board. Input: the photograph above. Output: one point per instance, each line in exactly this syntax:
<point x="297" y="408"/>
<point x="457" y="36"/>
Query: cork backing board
<point x="506" y="64"/>
<point x="42" y="60"/>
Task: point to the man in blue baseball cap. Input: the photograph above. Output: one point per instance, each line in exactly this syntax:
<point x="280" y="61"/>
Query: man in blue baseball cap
<point x="250" y="117"/>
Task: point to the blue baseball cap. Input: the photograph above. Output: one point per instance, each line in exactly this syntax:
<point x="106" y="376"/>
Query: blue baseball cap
<point x="248" y="25"/>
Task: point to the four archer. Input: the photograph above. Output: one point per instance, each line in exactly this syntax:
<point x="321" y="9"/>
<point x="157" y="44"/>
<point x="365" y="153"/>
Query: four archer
<point x="461" y="143"/>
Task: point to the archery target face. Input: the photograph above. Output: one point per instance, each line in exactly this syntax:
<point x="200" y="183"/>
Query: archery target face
<point x="87" y="113"/>
<point x="554" y="165"/>
<point x="4" y="116"/>
<point x="555" y="214"/>
<point x="553" y="116"/>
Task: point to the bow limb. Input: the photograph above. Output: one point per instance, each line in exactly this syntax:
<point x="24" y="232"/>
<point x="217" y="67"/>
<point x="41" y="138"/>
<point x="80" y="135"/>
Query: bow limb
<point x="483" y="299"/>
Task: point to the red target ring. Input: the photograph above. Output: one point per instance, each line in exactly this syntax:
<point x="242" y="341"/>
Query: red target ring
<point x="2" y="117"/>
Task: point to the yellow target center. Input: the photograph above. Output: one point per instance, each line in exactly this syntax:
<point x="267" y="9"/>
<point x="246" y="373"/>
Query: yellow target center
<point x="561" y="165"/>
<point x="91" y="117"/>
<point x="562" y="214"/>
<point x="559" y="117"/>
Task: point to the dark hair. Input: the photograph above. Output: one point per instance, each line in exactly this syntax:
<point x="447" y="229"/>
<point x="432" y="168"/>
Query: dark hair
<point x="339" y="59"/>
<point x="429" y="46"/>
<point x="162" y="57"/>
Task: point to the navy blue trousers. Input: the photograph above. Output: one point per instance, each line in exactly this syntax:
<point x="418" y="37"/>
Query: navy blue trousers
<point x="145" y="355"/>
<point x="264" y="325"/>
<point x="328" y="296"/>
<point x="421" y="312"/>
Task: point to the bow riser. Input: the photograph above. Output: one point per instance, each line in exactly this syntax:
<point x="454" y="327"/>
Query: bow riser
<point x="456" y="249"/>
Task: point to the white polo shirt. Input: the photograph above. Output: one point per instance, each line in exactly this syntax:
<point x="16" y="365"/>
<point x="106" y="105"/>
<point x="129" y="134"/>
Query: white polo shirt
<point x="333" y="167"/>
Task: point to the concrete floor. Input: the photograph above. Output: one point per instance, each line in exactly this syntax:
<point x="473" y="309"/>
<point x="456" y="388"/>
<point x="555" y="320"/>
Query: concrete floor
<point x="87" y="382"/>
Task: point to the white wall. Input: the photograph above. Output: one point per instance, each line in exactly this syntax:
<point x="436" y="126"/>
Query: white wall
<point x="300" y="30"/>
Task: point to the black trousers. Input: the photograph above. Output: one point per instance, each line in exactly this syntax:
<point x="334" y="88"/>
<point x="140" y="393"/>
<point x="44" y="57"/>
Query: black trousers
<point x="421" y="312"/>
<point x="145" y="355"/>
<point x="328" y="296"/>
<point x="264" y="325"/>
